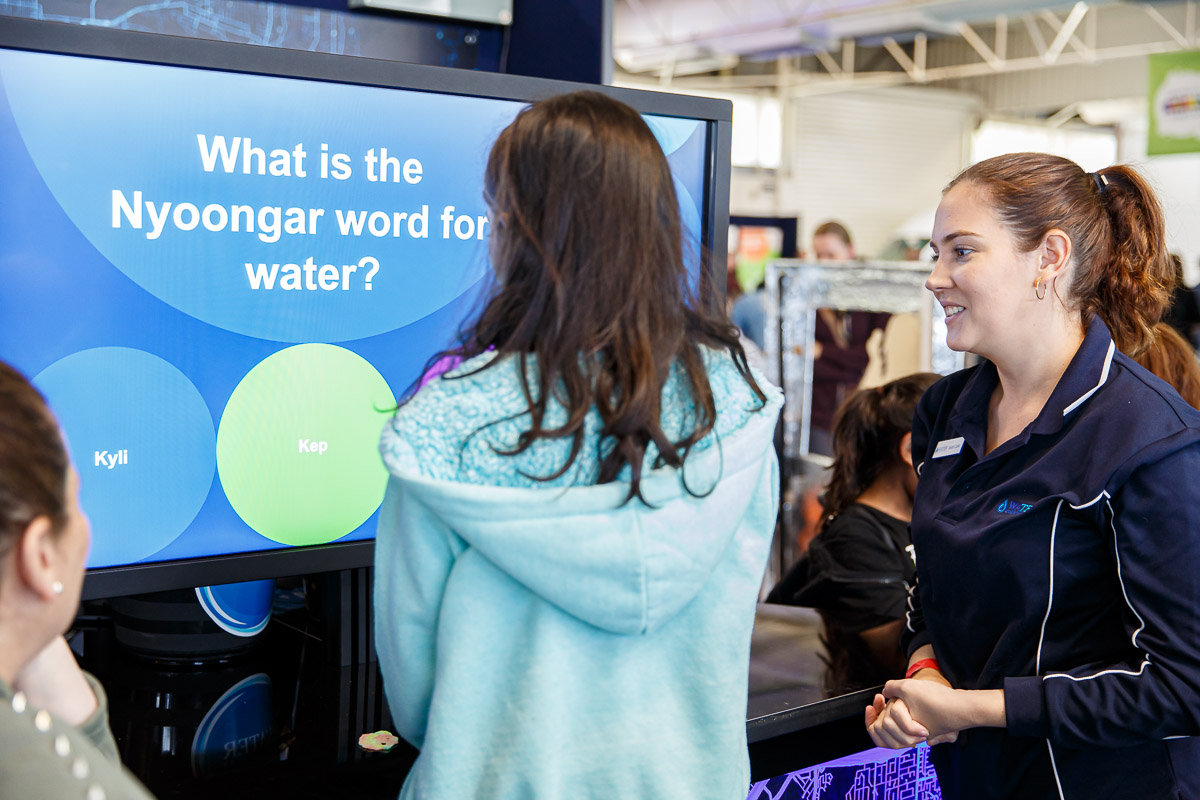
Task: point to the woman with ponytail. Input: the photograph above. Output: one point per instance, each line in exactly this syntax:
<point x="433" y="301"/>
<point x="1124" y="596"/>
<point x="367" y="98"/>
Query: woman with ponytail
<point x="857" y="570"/>
<point x="1053" y="638"/>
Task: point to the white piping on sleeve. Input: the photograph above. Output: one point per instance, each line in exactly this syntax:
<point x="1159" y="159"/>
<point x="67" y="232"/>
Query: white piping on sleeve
<point x="1112" y="347"/>
<point x="1054" y="767"/>
<point x="1141" y="622"/>
<point x="1145" y="663"/>
<point x="1117" y="553"/>
<point x="1037" y="669"/>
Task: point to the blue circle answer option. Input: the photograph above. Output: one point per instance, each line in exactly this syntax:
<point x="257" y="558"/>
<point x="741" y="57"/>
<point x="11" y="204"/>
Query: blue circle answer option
<point x="142" y="440"/>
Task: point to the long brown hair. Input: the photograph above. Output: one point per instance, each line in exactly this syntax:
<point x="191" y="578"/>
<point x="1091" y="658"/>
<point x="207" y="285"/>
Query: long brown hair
<point x="867" y="430"/>
<point x="592" y="293"/>
<point x="1171" y="358"/>
<point x="33" y="460"/>
<point x="1122" y="268"/>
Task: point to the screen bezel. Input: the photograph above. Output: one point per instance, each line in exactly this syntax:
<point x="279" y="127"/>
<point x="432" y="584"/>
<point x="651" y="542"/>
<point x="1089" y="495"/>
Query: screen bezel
<point x="76" y="40"/>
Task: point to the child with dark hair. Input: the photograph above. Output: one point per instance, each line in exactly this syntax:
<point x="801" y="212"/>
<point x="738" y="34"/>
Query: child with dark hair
<point x="857" y="570"/>
<point x="579" y="512"/>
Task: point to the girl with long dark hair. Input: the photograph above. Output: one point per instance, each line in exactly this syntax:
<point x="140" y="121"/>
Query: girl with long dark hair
<point x="580" y="511"/>
<point x="858" y="569"/>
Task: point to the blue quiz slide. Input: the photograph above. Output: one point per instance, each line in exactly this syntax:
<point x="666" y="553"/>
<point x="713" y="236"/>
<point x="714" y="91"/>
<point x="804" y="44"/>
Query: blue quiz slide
<point x="222" y="282"/>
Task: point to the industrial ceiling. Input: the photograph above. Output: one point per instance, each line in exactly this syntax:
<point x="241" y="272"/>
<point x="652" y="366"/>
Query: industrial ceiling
<point x="807" y="46"/>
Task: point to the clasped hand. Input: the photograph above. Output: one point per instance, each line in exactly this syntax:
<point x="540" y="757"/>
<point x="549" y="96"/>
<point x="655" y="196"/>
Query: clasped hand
<point x="909" y="712"/>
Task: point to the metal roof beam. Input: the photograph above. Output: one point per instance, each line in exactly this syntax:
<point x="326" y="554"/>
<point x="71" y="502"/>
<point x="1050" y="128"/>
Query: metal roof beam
<point x="915" y="66"/>
<point x="1035" y="35"/>
<point x="1171" y="30"/>
<point x="832" y="77"/>
<point x="828" y="63"/>
<point x="1066" y="33"/>
<point x="980" y="46"/>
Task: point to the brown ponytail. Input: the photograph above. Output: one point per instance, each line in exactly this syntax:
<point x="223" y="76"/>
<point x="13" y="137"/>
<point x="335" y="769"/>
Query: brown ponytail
<point x="867" y="430"/>
<point x="1122" y="268"/>
<point x="1131" y="294"/>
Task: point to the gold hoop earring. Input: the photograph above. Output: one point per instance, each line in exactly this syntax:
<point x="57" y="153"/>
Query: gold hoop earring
<point x="1041" y="295"/>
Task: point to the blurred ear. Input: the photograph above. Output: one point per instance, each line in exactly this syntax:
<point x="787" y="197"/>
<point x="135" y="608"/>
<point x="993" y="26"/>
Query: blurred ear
<point x="37" y="560"/>
<point x="906" y="449"/>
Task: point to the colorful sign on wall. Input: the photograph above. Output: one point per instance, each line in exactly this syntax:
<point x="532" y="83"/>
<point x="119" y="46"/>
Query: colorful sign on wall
<point x="1174" y="97"/>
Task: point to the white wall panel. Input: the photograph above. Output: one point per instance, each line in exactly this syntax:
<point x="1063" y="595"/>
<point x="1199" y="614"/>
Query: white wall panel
<point x="870" y="159"/>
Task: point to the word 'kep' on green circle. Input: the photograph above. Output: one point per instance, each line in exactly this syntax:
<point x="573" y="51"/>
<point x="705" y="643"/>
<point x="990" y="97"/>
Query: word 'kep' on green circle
<point x="297" y="447"/>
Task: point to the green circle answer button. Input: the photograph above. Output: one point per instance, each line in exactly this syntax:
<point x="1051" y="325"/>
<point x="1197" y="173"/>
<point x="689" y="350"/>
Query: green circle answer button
<point x="297" y="448"/>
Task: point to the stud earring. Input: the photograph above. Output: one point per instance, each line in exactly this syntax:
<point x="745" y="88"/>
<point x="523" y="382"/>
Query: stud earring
<point x="57" y="587"/>
<point x="1041" y="295"/>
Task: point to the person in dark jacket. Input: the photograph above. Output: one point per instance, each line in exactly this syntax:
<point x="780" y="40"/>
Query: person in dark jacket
<point x="1053" y="635"/>
<point x="857" y="571"/>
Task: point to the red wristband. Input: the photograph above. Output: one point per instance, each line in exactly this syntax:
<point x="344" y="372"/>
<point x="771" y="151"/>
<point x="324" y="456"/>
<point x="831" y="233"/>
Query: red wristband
<point x="924" y="663"/>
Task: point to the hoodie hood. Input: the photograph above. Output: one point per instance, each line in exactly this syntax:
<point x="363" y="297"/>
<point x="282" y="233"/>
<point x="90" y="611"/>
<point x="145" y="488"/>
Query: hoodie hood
<point x="623" y="568"/>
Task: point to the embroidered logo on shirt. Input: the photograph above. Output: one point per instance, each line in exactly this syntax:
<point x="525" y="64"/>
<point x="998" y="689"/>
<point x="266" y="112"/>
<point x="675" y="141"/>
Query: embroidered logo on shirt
<point x="1013" y="507"/>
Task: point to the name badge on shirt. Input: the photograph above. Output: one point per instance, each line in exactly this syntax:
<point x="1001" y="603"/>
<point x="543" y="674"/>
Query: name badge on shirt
<point x="948" y="447"/>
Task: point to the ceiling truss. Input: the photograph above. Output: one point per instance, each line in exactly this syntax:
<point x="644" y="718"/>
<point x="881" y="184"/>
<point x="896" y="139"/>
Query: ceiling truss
<point x="1032" y="40"/>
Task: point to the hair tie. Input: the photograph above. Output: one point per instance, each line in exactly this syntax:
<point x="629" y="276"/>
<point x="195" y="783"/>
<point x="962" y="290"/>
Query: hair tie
<point x="1100" y="180"/>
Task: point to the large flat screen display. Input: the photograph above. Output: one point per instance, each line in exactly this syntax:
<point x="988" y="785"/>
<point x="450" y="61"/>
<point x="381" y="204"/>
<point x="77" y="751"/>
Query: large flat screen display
<point x="222" y="277"/>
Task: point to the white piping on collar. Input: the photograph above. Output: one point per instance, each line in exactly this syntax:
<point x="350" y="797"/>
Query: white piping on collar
<point x="1112" y="348"/>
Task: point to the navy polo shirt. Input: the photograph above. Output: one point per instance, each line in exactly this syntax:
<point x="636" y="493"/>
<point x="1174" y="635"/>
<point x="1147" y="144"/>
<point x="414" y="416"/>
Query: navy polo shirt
<point x="1064" y="568"/>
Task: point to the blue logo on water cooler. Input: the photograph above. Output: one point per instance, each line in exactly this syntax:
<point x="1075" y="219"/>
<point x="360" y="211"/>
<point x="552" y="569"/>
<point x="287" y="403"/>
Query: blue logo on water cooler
<point x="242" y="609"/>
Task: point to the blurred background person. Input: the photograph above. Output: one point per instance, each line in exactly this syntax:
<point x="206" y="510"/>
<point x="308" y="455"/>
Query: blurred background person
<point x="747" y="305"/>
<point x="840" y="352"/>
<point x="858" y="569"/>
<point x="1183" y="314"/>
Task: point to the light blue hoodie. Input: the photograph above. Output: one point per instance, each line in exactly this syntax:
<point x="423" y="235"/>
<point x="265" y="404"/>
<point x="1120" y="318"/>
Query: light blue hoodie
<point x="546" y="641"/>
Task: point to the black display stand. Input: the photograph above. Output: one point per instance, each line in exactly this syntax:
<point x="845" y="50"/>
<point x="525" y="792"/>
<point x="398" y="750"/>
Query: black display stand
<point x="341" y="605"/>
